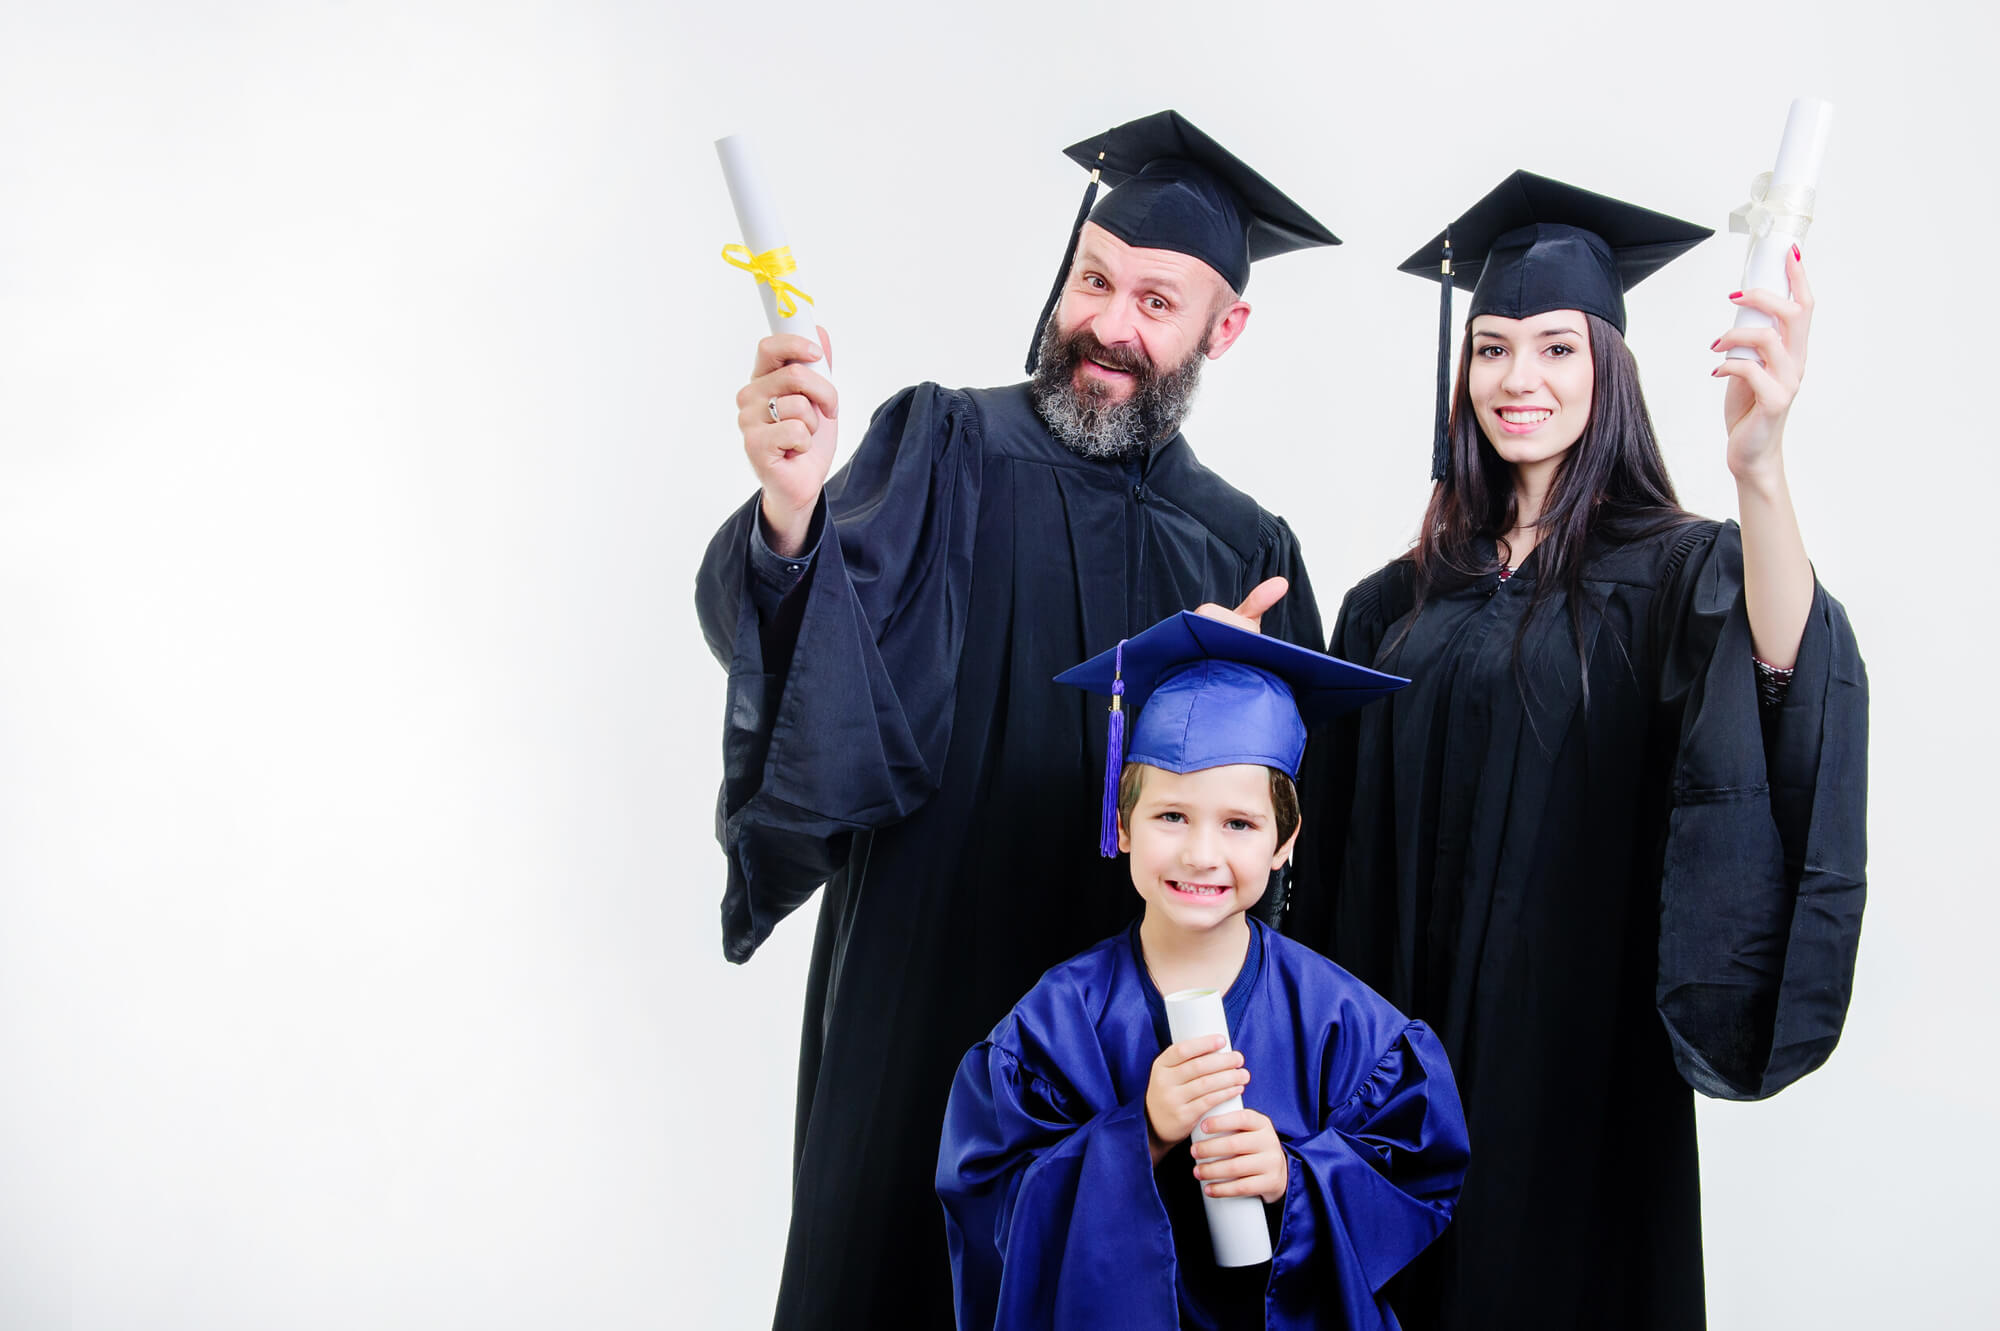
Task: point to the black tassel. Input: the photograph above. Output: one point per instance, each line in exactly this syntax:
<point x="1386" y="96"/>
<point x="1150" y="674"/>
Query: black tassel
<point x="1440" y="439"/>
<point x="1062" y="273"/>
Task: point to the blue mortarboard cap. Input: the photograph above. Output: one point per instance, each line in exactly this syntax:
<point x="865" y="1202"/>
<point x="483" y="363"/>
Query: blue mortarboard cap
<point x="1209" y="694"/>
<point x="1532" y="245"/>
<point x="1214" y="713"/>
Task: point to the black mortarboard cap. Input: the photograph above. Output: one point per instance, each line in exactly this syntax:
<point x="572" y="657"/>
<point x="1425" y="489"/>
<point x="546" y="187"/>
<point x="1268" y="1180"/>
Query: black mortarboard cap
<point x="1534" y="245"/>
<point x="1175" y="188"/>
<point x="1209" y="694"/>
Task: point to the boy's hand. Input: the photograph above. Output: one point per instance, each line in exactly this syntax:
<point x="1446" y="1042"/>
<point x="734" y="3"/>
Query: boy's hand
<point x="1246" y="1161"/>
<point x="1189" y="1079"/>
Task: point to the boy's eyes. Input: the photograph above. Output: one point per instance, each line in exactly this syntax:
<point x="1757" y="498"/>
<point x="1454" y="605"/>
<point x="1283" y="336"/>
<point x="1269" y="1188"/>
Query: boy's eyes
<point x="1233" y="824"/>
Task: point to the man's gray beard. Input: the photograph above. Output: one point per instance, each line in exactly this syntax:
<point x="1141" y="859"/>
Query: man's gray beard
<point x="1087" y="422"/>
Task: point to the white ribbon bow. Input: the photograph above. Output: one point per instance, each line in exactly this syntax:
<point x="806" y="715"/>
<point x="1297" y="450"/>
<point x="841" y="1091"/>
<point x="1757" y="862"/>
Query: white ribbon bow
<point x="1786" y="210"/>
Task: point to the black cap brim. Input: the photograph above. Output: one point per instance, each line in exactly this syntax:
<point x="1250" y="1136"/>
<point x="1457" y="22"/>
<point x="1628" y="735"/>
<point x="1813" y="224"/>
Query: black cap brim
<point x="1640" y="240"/>
<point x="1222" y="212"/>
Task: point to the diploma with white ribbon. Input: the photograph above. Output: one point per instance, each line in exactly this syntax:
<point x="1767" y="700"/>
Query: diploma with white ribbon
<point x="1780" y="209"/>
<point x="766" y="249"/>
<point x="1235" y="1224"/>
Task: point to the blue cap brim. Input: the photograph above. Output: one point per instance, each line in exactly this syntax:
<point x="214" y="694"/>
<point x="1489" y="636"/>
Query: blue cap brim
<point x="1323" y="686"/>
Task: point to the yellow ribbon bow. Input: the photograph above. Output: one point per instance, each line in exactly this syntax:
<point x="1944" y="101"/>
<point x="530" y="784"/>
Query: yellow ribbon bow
<point x="769" y="268"/>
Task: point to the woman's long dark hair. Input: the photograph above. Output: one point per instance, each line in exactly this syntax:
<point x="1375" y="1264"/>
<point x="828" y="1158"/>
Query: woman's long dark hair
<point x="1612" y="485"/>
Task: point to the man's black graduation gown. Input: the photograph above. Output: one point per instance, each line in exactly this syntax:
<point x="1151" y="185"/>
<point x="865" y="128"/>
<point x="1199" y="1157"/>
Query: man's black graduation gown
<point x="1594" y="906"/>
<point x="894" y="732"/>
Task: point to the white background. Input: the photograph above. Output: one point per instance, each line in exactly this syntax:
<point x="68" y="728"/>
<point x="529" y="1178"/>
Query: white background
<point x="366" y="379"/>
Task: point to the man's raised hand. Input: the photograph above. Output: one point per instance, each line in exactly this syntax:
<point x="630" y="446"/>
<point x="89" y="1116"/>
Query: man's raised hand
<point x="792" y="454"/>
<point x="1250" y="615"/>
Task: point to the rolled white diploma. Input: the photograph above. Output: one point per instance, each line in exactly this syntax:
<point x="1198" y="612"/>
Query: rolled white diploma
<point x="757" y="218"/>
<point x="1235" y="1224"/>
<point x="1777" y="217"/>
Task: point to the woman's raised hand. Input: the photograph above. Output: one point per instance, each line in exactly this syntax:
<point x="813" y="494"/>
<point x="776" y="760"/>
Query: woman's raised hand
<point x="1760" y="396"/>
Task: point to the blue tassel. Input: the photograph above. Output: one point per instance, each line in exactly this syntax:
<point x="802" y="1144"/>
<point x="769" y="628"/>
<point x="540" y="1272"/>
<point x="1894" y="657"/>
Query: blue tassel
<point x="1114" y="760"/>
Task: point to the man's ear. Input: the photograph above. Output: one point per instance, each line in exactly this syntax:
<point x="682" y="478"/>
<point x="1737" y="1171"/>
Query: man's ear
<point x="1228" y="327"/>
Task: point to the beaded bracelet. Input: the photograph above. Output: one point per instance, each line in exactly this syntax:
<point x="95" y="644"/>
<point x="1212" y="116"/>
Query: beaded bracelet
<point x="1773" y="682"/>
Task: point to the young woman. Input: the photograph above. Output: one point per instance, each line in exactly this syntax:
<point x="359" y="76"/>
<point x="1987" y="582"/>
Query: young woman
<point x="1609" y="842"/>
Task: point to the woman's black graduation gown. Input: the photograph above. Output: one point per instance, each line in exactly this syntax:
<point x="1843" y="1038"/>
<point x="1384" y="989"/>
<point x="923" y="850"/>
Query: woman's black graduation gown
<point x="894" y="732"/>
<point x="1594" y="907"/>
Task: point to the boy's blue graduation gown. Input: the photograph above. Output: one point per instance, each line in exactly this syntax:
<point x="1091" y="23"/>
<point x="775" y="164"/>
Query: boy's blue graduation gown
<point x="1054" y="1211"/>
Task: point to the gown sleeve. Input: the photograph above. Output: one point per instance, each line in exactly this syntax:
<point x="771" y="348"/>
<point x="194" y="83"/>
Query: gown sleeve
<point x="839" y="702"/>
<point x="1052" y="1216"/>
<point x="1327" y="779"/>
<point x="1371" y="1189"/>
<point x="1295" y="619"/>
<point x="1764" y="869"/>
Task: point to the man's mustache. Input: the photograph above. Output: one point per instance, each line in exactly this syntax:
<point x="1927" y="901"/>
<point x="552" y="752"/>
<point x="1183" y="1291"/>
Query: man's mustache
<point x="1131" y="359"/>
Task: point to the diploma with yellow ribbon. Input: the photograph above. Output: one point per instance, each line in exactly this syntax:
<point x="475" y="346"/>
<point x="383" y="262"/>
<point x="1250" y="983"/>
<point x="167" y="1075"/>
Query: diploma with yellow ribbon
<point x="766" y="252"/>
<point x="770" y="269"/>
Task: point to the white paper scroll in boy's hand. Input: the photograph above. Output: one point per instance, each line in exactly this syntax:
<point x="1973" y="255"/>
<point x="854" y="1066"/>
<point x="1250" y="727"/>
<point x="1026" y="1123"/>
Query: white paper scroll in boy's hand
<point x="1188" y="1080"/>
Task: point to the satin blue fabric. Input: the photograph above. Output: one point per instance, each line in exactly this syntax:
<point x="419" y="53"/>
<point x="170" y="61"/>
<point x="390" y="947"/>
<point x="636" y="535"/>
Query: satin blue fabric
<point x="1056" y="1217"/>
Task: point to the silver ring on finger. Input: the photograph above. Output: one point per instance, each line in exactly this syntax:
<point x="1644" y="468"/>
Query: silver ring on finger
<point x="772" y="408"/>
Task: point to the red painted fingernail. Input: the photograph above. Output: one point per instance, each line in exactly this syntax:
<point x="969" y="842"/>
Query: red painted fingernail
<point x="1715" y="373"/>
<point x="1796" y="255"/>
<point x="1734" y="295"/>
<point x="1713" y="345"/>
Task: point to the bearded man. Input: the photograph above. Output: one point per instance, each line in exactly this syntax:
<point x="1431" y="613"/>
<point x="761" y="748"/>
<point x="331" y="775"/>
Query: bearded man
<point x="890" y="637"/>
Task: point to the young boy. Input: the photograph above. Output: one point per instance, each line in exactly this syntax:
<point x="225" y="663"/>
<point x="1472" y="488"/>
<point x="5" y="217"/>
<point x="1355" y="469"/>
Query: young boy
<point x="1071" y="1195"/>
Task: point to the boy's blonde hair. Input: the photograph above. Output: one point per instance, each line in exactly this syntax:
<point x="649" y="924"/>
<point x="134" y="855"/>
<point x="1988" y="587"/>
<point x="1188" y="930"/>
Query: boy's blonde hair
<point x="1284" y="799"/>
